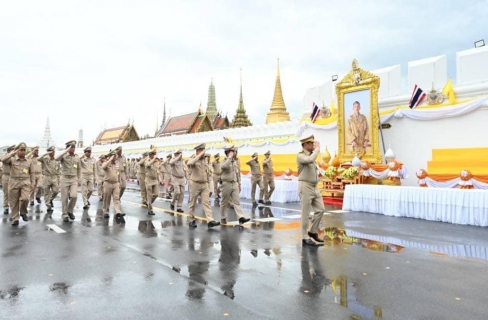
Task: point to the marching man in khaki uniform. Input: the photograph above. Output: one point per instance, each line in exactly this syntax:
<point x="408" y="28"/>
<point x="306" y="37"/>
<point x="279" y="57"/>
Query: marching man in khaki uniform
<point x="21" y="183"/>
<point x="152" y="185"/>
<point x="256" y="179"/>
<point x="70" y="178"/>
<point x="87" y="164"/>
<point x="122" y="169"/>
<point x="268" y="178"/>
<point x="309" y="193"/>
<point x="111" y="187"/>
<point x="199" y="186"/>
<point x="142" y="177"/>
<point x="178" y="177"/>
<point x="216" y="175"/>
<point x="5" y="179"/>
<point x="100" y="176"/>
<point x="37" y="192"/>
<point x="231" y="186"/>
<point x="167" y="177"/>
<point x="210" y="181"/>
<point x="50" y="172"/>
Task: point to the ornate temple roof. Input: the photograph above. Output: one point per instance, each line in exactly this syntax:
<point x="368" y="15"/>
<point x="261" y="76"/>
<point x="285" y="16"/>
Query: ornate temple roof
<point x="278" y="112"/>
<point x="118" y="134"/>
<point x="221" y="122"/>
<point x="240" y="118"/>
<point x="187" y="123"/>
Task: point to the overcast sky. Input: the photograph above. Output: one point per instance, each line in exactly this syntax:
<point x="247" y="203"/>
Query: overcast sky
<point x="91" y="64"/>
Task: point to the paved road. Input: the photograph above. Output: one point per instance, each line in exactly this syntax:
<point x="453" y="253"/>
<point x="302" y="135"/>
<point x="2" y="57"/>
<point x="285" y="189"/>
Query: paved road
<point x="155" y="267"/>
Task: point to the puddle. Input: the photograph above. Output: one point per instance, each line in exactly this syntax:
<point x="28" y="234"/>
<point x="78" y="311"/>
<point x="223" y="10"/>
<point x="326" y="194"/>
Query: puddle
<point x="11" y="293"/>
<point x="59" y="287"/>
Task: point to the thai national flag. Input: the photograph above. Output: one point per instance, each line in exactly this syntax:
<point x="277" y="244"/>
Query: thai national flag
<point x="417" y="96"/>
<point x="315" y="113"/>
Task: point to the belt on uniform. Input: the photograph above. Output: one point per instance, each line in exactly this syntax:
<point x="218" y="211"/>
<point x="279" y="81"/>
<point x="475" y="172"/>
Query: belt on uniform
<point x="199" y="181"/>
<point x="50" y="175"/>
<point x="70" y="175"/>
<point x="14" y="178"/>
<point x="177" y="177"/>
<point x="6" y="174"/>
<point x="229" y="181"/>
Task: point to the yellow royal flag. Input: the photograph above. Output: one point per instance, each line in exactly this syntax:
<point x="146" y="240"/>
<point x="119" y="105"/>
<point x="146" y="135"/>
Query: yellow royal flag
<point x="448" y="91"/>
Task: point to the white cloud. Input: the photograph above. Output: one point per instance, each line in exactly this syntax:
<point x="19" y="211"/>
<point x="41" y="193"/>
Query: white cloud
<point x="90" y="63"/>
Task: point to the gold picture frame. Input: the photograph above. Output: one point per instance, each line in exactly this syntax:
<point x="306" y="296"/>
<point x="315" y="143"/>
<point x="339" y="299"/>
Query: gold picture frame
<point x="358" y="133"/>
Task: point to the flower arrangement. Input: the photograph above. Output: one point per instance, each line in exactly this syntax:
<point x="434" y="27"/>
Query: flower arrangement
<point x="365" y="165"/>
<point x="466" y="175"/>
<point x="421" y="174"/>
<point x="350" y="172"/>
<point x="331" y="172"/>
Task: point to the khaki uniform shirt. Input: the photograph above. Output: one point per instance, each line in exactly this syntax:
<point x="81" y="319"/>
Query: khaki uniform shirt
<point x="142" y="168"/>
<point x="50" y="167"/>
<point x="216" y="168"/>
<point x="162" y="168"/>
<point x="6" y="166"/>
<point x="37" y="164"/>
<point x="255" y="169"/>
<point x="177" y="168"/>
<point x="307" y="167"/>
<point x="199" y="168"/>
<point x="100" y="173"/>
<point x="87" y="166"/>
<point x="122" y="165"/>
<point x="70" y="164"/>
<point x="112" y="171"/>
<point x="151" y="166"/>
<point x="20" y="169"/>
<point x="229" y="170"/>
<point x="268" y="166"/>
<point x="167" y="167"/>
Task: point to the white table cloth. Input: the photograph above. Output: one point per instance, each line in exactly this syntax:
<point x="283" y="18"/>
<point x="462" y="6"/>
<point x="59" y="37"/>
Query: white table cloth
<point x="285" y="190"/>
<point x="460" y="206"/>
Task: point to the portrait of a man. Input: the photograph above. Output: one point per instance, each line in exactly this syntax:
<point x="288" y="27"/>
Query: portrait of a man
<point x="358" y="130"/>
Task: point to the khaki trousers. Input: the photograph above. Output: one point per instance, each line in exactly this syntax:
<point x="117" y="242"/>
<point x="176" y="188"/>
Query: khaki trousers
<point x="37" y="192"/>
<point x="69" y="194"/>
<point x="18" y="194"/>
<point x="51" y="188"/>
<point x="142" y="185"/>
<point x="100" y="189"/>
<point x="230" y="194"/>
<point x="151" y="193"/>
<point x="123" y="184"/>
<point x="216" y="178"/>
<point x="5" y="180"/>
<point x="86" y="188"/>
<point x="200" y="189"/>
<point x="166" y="179"/>
<point x="269" y="186"/>
<point x="111" y="190"/>
<point x="257" y="180"/>
<point x="179" y="191"/>
<point x="311" y="200"/>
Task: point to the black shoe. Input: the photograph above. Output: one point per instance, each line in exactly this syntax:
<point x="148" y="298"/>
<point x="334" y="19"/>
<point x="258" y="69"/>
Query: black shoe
<point x="89" y="203"/>
<point x="261" y="201"/>
<point x="168" y="197"/>
<point x="254" y="203"/>
<point x="180" y="210"/>
<point x="106" y="216"/>
<point x="151" y="213"/>
<point x="38" y="200"/>
<point x="49" y="209"/>
<point x="65" y="219"/>
<point x="24" y="217"/>
<point x="71" y="216"/>
<point x="32" y="203"/>
<point x="213" y="223"/>
<point x="254" y="253"/>
<point x="172" y="206"/>
<point x="51" y="203"/>
<point x="100" y="199"/>
<point x="86" y="206"/>
<point x="193" y="224"/>
<point x="15" y="223"/>
<point x="267" y="202"/>
<point x="315" y="237"/>
<point x="223" y="221"/>
<point x="120" y="217"/>
<point x="310" y="242"/>
<point x="243" y="220"/>
<point x="5" y="211"/>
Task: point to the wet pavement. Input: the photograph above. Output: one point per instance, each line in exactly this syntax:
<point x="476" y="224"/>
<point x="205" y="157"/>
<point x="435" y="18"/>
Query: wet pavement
<point x="371" y="266"/>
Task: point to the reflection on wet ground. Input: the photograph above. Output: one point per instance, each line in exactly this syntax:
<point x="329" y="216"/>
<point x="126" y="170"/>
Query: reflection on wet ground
<point x="262" y="267"/>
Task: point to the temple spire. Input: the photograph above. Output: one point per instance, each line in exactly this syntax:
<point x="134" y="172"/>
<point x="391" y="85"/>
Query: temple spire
<point x="47" y="139"/>
<point x="240" y="118"/>
<point x="164" y="112"/>
<point x="277" y="111"/>
<point x="211" y="103"/>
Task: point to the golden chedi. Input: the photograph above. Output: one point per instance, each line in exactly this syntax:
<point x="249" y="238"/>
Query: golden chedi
<point x="278" y="109"/>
